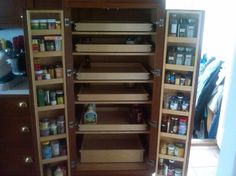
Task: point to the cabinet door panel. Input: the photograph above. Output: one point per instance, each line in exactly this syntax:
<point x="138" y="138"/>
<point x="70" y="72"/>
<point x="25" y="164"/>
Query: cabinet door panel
<point x="49" y="4"/>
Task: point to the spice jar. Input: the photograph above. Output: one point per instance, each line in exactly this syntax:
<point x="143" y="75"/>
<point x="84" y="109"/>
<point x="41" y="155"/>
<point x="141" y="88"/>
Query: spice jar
<point x="171" y="56"/>
<point x="51" y="23"/>
<point x="35" y="24"/>
<point x="41" y="46"/>
<point x="47" y="97"/>
<point x="53" y="127"/>
<point x="46" y="150"/>
<point x="60" y="124"/>
<point x="58" y="71"/>
<point x="172" y="78"/>
<point x="58" y="171"/>
<point x="58" y="24"/>
<point x="39" y="75"/>
<point x="40" y="97"/>
<point x="180" y="101"/>
<point x="177" y="79"/>
<point x="182" y="80"/>
<point x="182" y="126"/>
<point x="185" y="104"/>
<point x="43" y="24"/>
<point x="182" y="27"/>
<point x="35" y="45"/>
<point x="51" y="71"/>
<point x="174" y="125"/>
<point x="53" y="99"/>
<point x="161" y="167"/>
<point x="44" y="127"/>
<point x="191" y="27"/>
<point x="171" y="170"/>
<point x="60" y="97"/>
<point x="179" y="150"/>
<point x="173" y="25"/>
<point x="171" y="149"/>
<point x="178" y="172"/>
<point x="163" y="148"/>
<point x="55" y="148"/>
<point x="164" y="124"/>
<point x="180" y="56"/>
<point x="188" y="80"/>
<point x="174" y="103"/>
<point x="188" y="56"/>
<point x="166" y="103"/>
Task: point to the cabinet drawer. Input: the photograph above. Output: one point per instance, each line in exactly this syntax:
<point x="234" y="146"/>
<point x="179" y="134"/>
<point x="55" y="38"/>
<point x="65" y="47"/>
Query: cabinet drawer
<point x="14" y="105"/>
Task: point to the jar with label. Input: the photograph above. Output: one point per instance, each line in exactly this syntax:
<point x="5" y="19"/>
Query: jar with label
<point x="41" y="46"/>
<point x="188" y="80"/>
<point x="34" y="24"/>
<point x="163" y="148"/>
<point x="180" y="101"/>
<point x="171" y="170"/>
<point x="58" y="24"/>
<point x="191" y="27"/>
<point x="183" y="126"/>
<point x="182" y="80"/>
<point x="58" y="71"/>
<point x="174" y="103"/>
<point x="50" y="45"/>
<point x="180" y="56"/>
<point x="188" y="56"/>
<point x="179" y="150"/>
<point x="53" y="99"/>
<point x="60" y="124"/>
<point x="172" y="78"/>
<point x="185" y="104"/>
<point x="39" y="75"/>
<point x="177" y="79"/>
<point x="51" y="71"/>
<point x="55" y="148"/>
<point x="44" y="127"/>
<point x="173" y="25"/>
<point x="60" y="97"/>
<point x="171" y="149"/>
<point x="164" y="124"/>
<point x="182" y="27"/>
<point x="47" y="97"/>
<point x="40" y="97"/>
<point x="178" y="172"/>
<point x="171" y="56"/>
<point x="174" y="125"/>
<point x="51" y="23"/>
<point x="168" y="77"/>
<point x="53" y="127"/>
<point x="46" y="150"/>
<point x="35" y="45"/>
<point x="43" y="24"/>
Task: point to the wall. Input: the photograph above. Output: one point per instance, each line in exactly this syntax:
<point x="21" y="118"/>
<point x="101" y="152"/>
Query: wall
<point x="8" y="34"/>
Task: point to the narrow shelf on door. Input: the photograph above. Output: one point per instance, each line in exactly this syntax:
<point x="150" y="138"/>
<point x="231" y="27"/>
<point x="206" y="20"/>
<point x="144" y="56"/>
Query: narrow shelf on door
<point x="179" y="67"/>
<point x="177" y="87"/>
<point x="47" y="54"/>
<point x="48" y="82"/>
<point x="113" y="54"/>
<point x="171" y="158"/>
<point x="181" y="113"/>
<point x="173" y="136"/>
<point x="183" y="40"/>
<point x="55" y="159"/>
<point x="52" y="137"/>
<point x="112" y="81"/>
<point x="112" y="33"/>
<point x="51" y="107"/>
<point x="113" y="102"/>
<point x="46" y="32"/>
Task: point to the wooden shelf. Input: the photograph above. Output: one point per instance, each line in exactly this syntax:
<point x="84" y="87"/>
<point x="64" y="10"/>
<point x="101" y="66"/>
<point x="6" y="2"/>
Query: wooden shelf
<point x="182" y="40"/>
<point x="180" y="113"/>
<point x="178" y="87"/>
<point x="46" y="32"/>
<point x="112" y="93"/>
<point x="52" y="137"/>
<point x="112" y="33"/>
<point x="113" y="120"/>
<point x="55" y="159"/>
<point x="113" y="71"/>
<point x="113" y="102"/>
<point x="112" y="132"/>
<point x="112" y="81"/>
<point x="51" y="107"/>
<point x="179" y="67"/>
<point x="173" y="136"/>
<point x="49" y="82"/>
<point x="171" y="158"/>
<point x="48" y="54"/>
<point x="112" y="54"/>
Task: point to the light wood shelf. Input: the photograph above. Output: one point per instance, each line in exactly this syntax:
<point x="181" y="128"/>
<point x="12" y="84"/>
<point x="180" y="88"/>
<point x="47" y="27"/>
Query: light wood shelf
<point x="112" y="33"/>
<point x="179" y="67"/>
<point x="177" y="87"/>
<point x="46" y="32"/>
<point x="49" y="82"/>
<point x="55" y="159"/>
<point x="182" y="40"/>
<point x="171" y="158"/>
<point x="47" y="54"/>
<point x="180" y="113"/>
<point x="52" y="137"/>
<point x="112" y="81"/>
<point x="51" y="107"/>
<point x="112" y="54"/>
<point x="173" y="136"/>
<point x="113" y="102"/>
<point x="112" y="132"/>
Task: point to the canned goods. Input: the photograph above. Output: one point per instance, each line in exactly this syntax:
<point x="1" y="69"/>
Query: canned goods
<point x="55" y="148"/>
<point x="171" y="149"/>
<point x="46" y="150"/>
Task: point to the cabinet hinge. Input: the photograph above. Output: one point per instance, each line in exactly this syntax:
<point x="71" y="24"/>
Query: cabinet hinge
<point x="69" y="72"/>
<point x="68" y="22"/>
<point x="152" y="124"/>
<point x="71" y="124"/>
<point x="73" y="164"/>
<point x="156" y="72"/>
<point x="160" y="23"/>
<point x="151" y="163"/>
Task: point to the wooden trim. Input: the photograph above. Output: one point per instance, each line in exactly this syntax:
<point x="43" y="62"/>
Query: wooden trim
<point x="54" y="160"/>
<point x="113" y="33"/>
<point x="111" y="54"/>
<point x="47" y="54"/>
<point x="46" y="32"/>
<point x="171" y="158"/>
<point x="49" y="82"/>
<point x="173" y="136"/>
<point x="52" y="137"/>
<point x="177" y="87"/>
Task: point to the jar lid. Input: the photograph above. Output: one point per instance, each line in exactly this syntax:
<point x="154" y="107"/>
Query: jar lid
<point x="59" y="92"/>
<point x="183" y="119"/>
<point x="178" y="171"/>
<point x="34" y="21"/>
<point x="43" y="20"/>
<point x="51" y="20"/>
<point x="171" y="146"/>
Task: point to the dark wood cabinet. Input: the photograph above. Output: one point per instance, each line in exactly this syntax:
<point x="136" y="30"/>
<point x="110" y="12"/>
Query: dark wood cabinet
<point x="49" y="4"/>
<point x="16" y="140"/>
<point x="11" y="13"/>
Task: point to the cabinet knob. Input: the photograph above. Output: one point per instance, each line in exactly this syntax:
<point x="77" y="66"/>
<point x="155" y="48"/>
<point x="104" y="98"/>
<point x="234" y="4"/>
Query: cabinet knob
<point x="28" y="159"/>
<point x="25" y="129"/>
<point x="22" y="104"/>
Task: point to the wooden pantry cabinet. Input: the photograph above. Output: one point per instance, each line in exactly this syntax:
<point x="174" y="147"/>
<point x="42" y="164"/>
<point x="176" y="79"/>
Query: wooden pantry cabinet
<point x="113" y="61"/>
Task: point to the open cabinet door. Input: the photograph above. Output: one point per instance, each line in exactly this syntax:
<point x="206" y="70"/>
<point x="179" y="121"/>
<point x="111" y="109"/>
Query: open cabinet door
<point x="179" y="79"/>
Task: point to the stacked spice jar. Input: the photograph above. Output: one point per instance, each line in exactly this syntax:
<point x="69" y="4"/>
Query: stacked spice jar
<point x="48" y="97"/>
<point x="169" y="168"/>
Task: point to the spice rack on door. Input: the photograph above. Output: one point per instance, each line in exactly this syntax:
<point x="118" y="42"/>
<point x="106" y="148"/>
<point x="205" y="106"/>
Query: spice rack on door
<point x="47" y="65"/>
<point x="176" y="114"/>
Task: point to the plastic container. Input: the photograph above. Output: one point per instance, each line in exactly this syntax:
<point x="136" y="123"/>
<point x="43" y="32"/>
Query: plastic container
<point x="55" y="148"/>
<point x="46" y="150"/>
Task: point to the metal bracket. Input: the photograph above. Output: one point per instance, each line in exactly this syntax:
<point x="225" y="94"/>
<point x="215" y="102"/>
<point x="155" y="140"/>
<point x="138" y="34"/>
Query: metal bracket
<point x="71" y="124"/>
<point x="152" y="124"/>
<point x="67" y="22"/>
<point x="69" y="72"/>
<point x="156" y="72"/>
<point x="73" y="164"/>
<point x="160" y="23"/>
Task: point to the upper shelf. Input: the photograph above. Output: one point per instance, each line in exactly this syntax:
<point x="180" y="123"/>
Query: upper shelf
<point x="112" y="33"/>
<point x="48" y="54"/>
<point x="46" y="32"/>
<point x="182" y="40"/>
<point x="180" y="113"/>
<point x="112" y="54"/>
<point x="113" y="71"/>
<point x="179" y="67"/>
<point x="177" y="87"/>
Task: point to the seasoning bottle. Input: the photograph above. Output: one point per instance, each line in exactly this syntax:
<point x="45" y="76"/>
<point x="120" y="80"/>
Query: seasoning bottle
<point x="53" y="127"/>
<point x="53" y="99"/>
<point x="179" y="150"/>
<point x="46" y="150"/>
<point x="58" y="71"/>
<point x="44" y="127"/>
<point x="35" y="45"/>
<point x="51" y="71"/>
<point x="174" y="125"/>
<point x="47" y="97"/>
<point x="171" y="169"/>
<point x="172" y="78"/>
<point x="60" y="124"/>
<point x="55" y="148"/>
<point x="180" y="100"/>
<point x="58" y="171"/>
<point x="164" y="124"/>
<point x="41" y="46"/>
<point x="188" y="56"/>
<point x="173" y="25"/>
<point x="171" y="56"/>
<point x="182" y="28"/>
<point x="185" y="104"/>
<point x="40" y="97"/>
<point x="51" y="23"/>
<point x="191" y="27"/>
<point x="171" y="149"/>
<point x="177" y="79"/>
<point x="174" y="103"/>
<point x="182" y="126"/>
<point x="163" y="148"/>
<point x="90" y="115"/>
<point x="60" y="97"/>
<point x="161" y="167"/>
<point x="58" y="24"/>
<point x="180" y="56"/>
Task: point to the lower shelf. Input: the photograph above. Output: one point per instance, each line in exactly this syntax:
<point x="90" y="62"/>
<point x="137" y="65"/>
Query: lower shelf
<point x="111" y="148"/>
<point x="171" y="158"/>
<point x="54" y="160"/>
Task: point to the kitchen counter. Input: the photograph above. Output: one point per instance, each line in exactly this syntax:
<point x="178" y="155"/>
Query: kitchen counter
<point x="20" y="89"/>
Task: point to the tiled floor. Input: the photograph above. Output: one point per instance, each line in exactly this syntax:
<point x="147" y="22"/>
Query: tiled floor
<point x="203" y="161"/>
